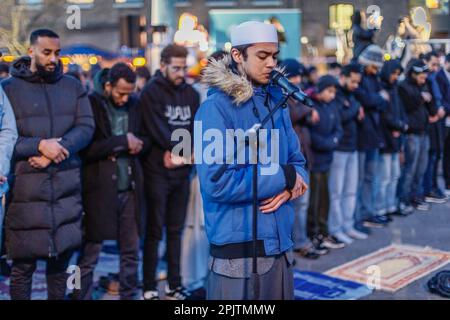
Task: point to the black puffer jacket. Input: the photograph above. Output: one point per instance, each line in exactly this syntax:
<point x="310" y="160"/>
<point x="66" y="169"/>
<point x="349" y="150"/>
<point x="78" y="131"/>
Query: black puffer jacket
<point x="43" y="218"/>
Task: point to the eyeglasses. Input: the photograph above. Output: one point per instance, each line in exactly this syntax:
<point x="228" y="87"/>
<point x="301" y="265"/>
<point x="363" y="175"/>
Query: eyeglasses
<point x="178" y="69"/>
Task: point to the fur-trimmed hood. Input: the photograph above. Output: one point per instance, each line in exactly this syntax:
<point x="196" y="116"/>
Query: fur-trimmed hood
<point x="218" y="74"/>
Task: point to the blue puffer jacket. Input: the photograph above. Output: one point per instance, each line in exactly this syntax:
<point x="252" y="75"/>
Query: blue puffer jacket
<point x="325" y="135"/>
<point x="234" y="104"/>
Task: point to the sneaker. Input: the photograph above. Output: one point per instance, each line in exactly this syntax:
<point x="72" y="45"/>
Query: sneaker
<point x="392" y="213"/>
<point x="179" y="293"/>
<point x="319" y="247"/>
<point x="442" y="193"/>
<point x="355" y="234"/>
<point x="151" y="295"/>
<point x="435" y="197"/>
<point x="384" y="219"/>
<point x="421" y="205"/>
<point x="361" y="228"/>
<point x="447" y="191"/>
<point x="308" y="253"/>
<point x="404" y="209"/>
<point x="332" y="242"/>
<point x="375" y="222"/>
<point x="342" y="237"/>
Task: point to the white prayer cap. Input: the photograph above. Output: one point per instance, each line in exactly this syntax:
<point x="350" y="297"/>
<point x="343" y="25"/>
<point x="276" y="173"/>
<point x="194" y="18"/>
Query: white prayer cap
<point x="251" y="32"/>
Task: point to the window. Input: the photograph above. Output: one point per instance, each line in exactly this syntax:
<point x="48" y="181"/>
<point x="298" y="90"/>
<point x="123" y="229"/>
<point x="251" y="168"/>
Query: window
<point x="128" y="3"/>
<point x="30" y="3"/>
<point x="182" y="3"/>
<point x="341" y="16"/>
<point x="267" y="2"/>
<point x="84" y="4"/>
<point x="220" y="3"/>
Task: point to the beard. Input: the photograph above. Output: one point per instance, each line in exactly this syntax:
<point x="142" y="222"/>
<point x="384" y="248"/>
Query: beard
<point x="112" y="102"/>
<point x="176" y="82"/>
<point x="47" y="76"/>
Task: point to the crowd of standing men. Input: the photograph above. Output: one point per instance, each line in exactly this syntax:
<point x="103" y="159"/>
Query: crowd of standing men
<point x="94" y="166"/>
<point x="85" y="166"/>
<point x="374" y="144"/>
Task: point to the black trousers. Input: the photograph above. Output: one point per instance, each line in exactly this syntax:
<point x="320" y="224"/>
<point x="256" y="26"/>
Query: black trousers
<point x="128" y="241"/>
<point x="446" y="160"/>
<point x="56" y="273"/>
<point x="167" y="205"/>
<point x="319" y="205"/>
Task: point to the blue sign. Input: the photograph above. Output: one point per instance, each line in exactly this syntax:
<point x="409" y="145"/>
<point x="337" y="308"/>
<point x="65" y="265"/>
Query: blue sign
<point x="317" y="286"/>
<point x="288" y="20"/>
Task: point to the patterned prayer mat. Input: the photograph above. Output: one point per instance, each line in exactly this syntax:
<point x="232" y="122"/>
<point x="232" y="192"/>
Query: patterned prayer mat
<point x="393" y="267"/>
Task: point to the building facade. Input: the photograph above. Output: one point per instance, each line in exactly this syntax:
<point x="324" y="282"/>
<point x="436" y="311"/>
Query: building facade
<point x="322" y="19"/>
<point x="115" y="24"/>
<point x="106" y="24"/>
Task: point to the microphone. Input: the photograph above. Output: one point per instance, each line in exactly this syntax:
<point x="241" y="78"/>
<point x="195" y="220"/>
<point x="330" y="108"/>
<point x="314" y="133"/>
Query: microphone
<point x="280" y="80"/>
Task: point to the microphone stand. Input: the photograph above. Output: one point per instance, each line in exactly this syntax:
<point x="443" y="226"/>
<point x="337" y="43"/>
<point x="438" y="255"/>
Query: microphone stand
<point x="254" y="279"/>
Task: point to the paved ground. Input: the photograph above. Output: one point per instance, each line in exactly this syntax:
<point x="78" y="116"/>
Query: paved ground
<point x="421" y="229"/>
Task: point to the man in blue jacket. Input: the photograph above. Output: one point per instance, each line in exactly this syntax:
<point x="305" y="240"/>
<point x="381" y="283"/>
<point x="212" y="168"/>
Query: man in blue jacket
<point x="325" y="138"/>
<point x="241" y="95"/>
<point x="370" y="137"/>
<point x="8" y="137"/>
<point x="394" y="124"/>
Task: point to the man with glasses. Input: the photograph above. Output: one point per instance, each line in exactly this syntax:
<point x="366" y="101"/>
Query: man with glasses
<point x="168" y="103"/>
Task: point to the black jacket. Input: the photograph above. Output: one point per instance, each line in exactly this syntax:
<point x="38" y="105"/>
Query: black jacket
<point x="301" y="118"/>
<point x="440" y="130"/>
<point x="166" y="108"/>
<point x="100" y="172"/>
<point x="348" y="108"/>
<point x="369" y="129"/>
<point x="436" y="130"/>
<point x="325" y="135"/>
<point x="417" y="110"/>
<point x="362" y="38"/>
<point x="394" y="118"/>
<point x="43" y="218"/>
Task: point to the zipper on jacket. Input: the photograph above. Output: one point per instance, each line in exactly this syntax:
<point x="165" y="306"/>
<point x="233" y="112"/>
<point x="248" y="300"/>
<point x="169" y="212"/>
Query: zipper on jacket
<point x="130" y="174"/>
<point x="53" y="252"/>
